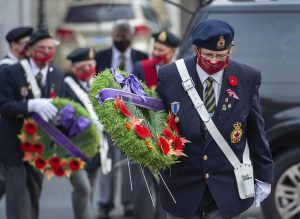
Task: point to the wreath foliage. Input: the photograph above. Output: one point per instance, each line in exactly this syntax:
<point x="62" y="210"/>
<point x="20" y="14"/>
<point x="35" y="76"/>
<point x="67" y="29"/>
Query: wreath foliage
<point x="45" y="155"/>
<point x="148" y="137"/>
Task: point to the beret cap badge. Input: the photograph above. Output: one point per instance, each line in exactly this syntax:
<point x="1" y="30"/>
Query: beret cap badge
<point x="91" y="53"/>
<point x="162" y="36"/>
<point x="221" y="43"/>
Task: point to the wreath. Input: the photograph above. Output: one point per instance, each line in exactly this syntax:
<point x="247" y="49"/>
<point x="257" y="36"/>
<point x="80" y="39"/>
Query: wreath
<point x="40" y="149"/>
<point x="149" y="137"/>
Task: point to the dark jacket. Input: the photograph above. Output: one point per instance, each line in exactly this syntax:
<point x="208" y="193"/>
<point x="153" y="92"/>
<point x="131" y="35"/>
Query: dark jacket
<point x="13" y="107"/>
<point x="186" y="180"/>
<point x="104" y="58"/>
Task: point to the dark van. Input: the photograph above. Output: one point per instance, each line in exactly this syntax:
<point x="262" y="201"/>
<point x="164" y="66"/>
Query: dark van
<point x="268" y="38"/>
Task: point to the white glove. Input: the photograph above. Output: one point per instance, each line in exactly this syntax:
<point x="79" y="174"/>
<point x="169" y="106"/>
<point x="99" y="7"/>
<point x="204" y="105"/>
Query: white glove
<point x="262" y="190"/>
<point x="43" y="107"/>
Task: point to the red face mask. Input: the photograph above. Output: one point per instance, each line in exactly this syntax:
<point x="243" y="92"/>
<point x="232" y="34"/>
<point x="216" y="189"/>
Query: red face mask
<point x="44" y="57"/>
<point x="159" y="60"/>
<point x="85" y="75"/>
<point x="209" y="67"/>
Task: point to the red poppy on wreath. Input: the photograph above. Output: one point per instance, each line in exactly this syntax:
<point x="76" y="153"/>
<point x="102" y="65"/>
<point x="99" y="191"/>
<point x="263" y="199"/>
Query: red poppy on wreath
<point x="142" y="131"/>
<point x="172" y="123"/>
<point x="26" y="146"/>
<point x="54" y="162"/>
<point x="74" y="165"/>
<point x="178" y="144"/>
<point x="30" y="127"/>
<point x="233" y="81"/>
<point x="164" y="145"/>
<point x="40" y="163"/>
<point x="168" y="133"/>
<point x="119" y="105"/>
<point x="38" y="148"/>
<point x="59" y="171"/>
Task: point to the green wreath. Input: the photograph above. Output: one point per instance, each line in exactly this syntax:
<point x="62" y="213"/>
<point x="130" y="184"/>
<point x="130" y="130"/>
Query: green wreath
<point x="148" y="137"/>
<point x="51" y="159"/>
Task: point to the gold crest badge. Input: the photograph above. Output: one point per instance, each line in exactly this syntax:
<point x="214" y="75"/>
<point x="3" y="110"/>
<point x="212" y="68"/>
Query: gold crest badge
<point x="162" y="36"/>
<point x="91" y="53"/>
<point x="221" y="43"/>
<point x="237" y="132"/>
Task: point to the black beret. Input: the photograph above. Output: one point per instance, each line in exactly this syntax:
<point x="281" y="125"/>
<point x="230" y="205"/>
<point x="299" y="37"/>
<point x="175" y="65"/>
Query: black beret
<point x="39" y="35"/>
<point x="167" y="38"/>
<point x="18" y="33"/>
<point x="213" y="34"/>
<point x="81" y="54"/>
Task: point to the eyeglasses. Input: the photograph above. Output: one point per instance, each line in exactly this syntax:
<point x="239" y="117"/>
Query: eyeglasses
<point x="211" y="56"/>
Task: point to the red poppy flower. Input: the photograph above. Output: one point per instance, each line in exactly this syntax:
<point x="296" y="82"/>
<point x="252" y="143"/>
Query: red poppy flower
<point x="119" y="105"/>
<point x="177" y="143"/>
<point x="52" y="94"/>
<point x="30" y="127"/>
<point x="168" y="133"/>
<point x="233" y="81"/>
<point x="54" y="162"/>
<point x="40" y="163"/>
<point x="142" y="131"/>
<point x="74" y="165"/>
<point x="26" y="146"/>
<point x="38" y="148"/>
<point x="164" y="145"/>
<point x="59" y="171"/>
<point x="172" y="123"/>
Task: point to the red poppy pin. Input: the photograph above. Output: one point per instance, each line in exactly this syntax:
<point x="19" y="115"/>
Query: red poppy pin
<point x="233" y="81"/>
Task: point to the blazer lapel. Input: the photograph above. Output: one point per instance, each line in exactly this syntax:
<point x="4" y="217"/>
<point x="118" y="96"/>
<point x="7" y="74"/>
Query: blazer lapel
<point x="50" y="82"/>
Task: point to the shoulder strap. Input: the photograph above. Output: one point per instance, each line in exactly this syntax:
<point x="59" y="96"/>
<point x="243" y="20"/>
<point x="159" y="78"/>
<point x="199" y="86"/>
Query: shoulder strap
<point x="36" y="91"/>
<point x="189" y="87"/>
<point x="6" y="61"/>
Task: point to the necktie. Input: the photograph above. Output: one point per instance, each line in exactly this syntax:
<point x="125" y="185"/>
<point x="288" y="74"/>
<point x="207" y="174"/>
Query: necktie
<point x="122" y="65"/>
<point x="39" y="78"/>
<point x="210" y="100"/>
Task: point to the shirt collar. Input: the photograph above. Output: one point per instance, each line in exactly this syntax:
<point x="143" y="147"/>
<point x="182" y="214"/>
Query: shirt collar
<point x="117" y="53"/>
<point x="35" y="69"/>
<point x="12" y="57"/>
<point x="203" y="75"/>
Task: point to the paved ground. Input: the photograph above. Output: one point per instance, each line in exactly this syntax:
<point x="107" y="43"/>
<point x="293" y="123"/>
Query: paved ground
<point x="56" y="203"/>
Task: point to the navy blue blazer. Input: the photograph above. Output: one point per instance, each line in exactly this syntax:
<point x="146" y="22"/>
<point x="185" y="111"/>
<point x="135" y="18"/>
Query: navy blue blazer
<point x="186" y="179"/>
<point x="13" y="106"/>
<point x="104" y="58"/>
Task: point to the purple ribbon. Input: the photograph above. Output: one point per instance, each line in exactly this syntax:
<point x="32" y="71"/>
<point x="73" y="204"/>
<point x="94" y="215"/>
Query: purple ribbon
<point x="112" y="94"/>
<point x="131" y="83"/>
<point x="73" y="125"/>
<point x="59" y="138"/>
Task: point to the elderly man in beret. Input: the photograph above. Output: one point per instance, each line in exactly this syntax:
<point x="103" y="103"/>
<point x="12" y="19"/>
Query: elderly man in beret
<point x="26" y="87"/>
<point x="17" y="39"/>
<point x="203" y="183"/>
<point x="163" y="52"/>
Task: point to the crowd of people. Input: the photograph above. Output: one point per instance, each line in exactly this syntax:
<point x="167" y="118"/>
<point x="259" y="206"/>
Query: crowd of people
<point x="202" y="183"/>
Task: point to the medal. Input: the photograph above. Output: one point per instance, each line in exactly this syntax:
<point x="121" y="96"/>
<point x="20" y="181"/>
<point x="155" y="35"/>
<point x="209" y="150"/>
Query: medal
<point x="236" y="133"/>
<point x="175" y="106"/>
<point x="224" y="107"/>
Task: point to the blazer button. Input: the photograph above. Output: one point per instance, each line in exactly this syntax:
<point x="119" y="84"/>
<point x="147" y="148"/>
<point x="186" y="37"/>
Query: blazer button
<point x="206" y="175"/>
<point x="205" y="157"/>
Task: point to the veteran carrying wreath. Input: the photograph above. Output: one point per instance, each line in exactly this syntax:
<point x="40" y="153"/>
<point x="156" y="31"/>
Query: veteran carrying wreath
<point x="64" y="144"/>
<point x="135" y="118"/>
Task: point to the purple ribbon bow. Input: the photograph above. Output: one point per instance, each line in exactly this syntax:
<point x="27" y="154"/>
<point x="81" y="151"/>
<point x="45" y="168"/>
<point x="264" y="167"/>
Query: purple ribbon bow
<point x="73" y="125"/>
<point x="131" y="83"/>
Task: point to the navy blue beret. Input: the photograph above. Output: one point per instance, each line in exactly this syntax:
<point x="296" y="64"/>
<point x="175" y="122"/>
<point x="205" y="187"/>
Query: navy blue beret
<point x="167" y="38"/>
<point x="81" y="54"/>
<point x="18" y="33"/>
<point x="213" y="34"/>
<point x="39" y="35"/>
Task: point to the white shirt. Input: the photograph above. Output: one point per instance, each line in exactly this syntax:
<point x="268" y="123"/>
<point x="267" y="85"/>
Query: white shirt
<point x="12" y="57"/>
<point x="35" y="70"/>
<point x="217" y="84"/>
<point x="84" y="84"/>
<point x="116" y="59"/>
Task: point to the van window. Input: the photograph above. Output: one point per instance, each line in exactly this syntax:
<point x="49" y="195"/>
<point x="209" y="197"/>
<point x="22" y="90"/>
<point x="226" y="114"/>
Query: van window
<point x="99" y="13"/>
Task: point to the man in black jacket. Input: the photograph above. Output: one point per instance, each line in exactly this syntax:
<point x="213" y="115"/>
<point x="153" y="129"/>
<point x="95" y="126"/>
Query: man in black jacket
<point x="121" y="56"/>
<point x="26" y="87"/>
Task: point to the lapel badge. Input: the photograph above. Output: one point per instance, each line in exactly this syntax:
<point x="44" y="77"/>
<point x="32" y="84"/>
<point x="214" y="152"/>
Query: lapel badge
<point x="226" y="100"/>
<point x="24" y="92"/>
<point x="175" y="106"/>
<point x="236" y="133"/>
<point x="224" y="107"/>
<point x="229" y="106"/>
<point x="231" y="93"/>
<point x="52" y="91"/>
<point x="50" y="69"/>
